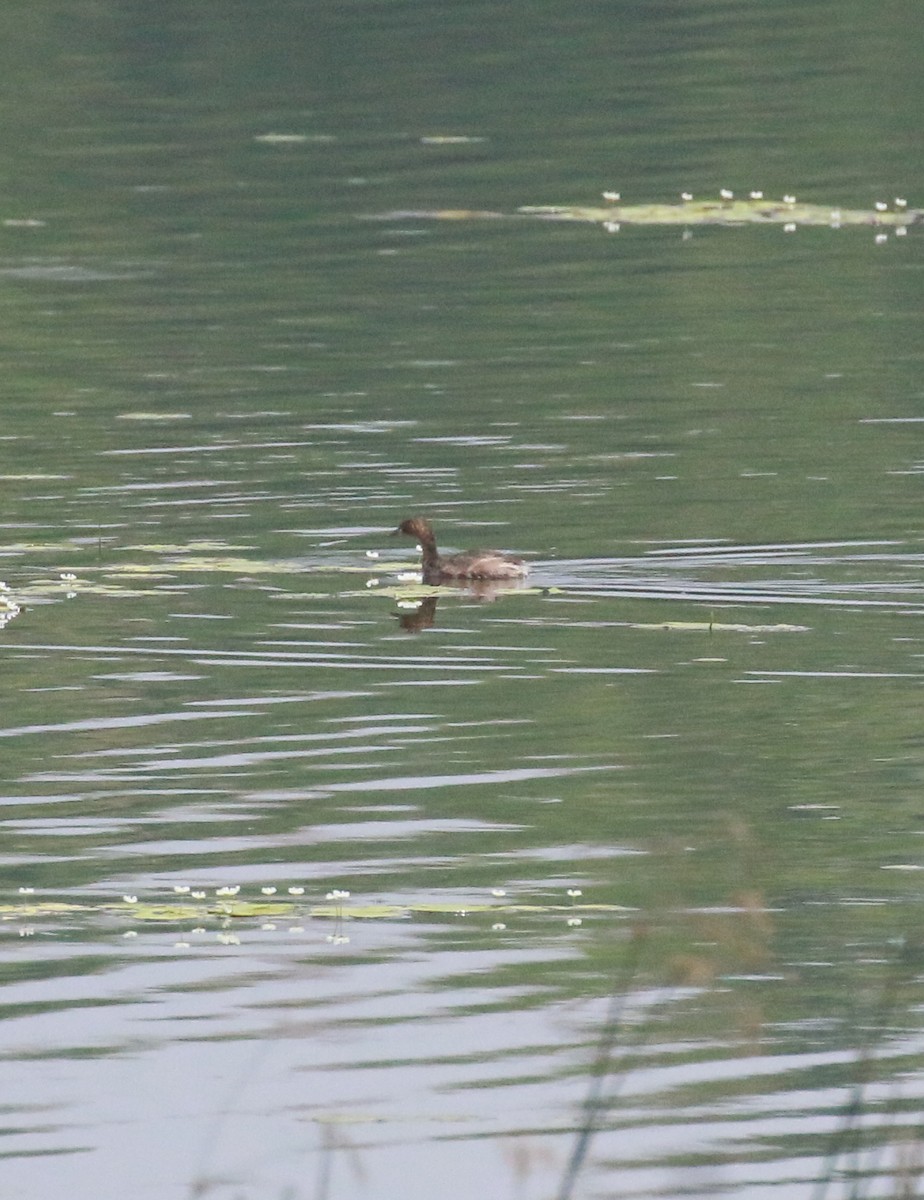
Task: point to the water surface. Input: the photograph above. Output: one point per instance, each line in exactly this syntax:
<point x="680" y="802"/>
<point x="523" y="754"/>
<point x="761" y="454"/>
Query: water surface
<point x="321" y="884"/>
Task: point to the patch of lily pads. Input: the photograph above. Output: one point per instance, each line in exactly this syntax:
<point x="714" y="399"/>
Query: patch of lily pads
<point x="337" y="906"/>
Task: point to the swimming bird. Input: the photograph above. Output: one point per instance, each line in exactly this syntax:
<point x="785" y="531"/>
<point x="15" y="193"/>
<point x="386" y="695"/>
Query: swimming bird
<point x="471" y="564"/>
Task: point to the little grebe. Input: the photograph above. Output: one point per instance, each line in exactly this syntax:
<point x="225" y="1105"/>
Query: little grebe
<point x="472" y="564"/>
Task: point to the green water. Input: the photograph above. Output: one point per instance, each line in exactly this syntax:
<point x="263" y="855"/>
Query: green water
<point x="653" y="821"/>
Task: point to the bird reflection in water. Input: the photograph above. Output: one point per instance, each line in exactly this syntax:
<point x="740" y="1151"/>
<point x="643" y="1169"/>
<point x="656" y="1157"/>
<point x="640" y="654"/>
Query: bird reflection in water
<point x="423" y="614"/>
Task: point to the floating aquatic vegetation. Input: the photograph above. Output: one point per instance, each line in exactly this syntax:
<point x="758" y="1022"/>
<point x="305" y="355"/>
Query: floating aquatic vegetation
<point x="451" y="139"/>
<point x="198" y="546"/>
<point x="153" y="416"/>
<point x="756" y="209"/>
<point x="31" y="477"/>
<point x="717" y="627"/>
<point x="175" y="561"/>
<point x="293" y="139"/>
<point x="66" y="586"/>
<point x="225" y="904"/>
<point x="58" y="271"/>
<point x="9" y="607"/>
